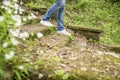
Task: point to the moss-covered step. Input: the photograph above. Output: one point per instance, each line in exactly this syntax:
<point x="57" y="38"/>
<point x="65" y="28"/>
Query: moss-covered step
<point x="115" y="48"/>
<point x="88" y="32"/>
<point x="35" y="10"/>
<point x="41" y="10"/>
<point x="53" y="41"/>
<point x="38" y="28"/>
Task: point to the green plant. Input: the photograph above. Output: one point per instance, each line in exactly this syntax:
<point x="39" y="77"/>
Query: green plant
<point x="62" y="75"/>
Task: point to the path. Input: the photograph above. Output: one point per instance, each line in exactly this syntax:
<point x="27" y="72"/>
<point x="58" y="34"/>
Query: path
<point x="58" y="52"/>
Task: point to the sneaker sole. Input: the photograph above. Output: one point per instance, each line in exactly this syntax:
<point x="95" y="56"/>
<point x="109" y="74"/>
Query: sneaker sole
<point x="46" y="25"/>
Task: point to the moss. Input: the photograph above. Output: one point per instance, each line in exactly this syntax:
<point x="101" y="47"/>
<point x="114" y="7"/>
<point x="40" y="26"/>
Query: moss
<point x="50" y="30"/>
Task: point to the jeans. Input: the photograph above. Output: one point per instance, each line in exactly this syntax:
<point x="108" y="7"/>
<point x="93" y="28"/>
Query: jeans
<point x="59" y="7"/>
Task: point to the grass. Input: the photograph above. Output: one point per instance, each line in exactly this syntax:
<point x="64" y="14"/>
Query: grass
<point x="97" y="14"/>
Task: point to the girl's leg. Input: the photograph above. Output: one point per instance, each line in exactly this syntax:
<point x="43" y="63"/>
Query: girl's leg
<point x="60" y="17"/>
<point x="60" y="25"/>
<point x="59" y="4"/>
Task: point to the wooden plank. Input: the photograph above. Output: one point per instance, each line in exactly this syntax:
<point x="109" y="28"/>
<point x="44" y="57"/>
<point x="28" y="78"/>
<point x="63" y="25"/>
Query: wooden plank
<point x="115" y="48"/>
<point x="88" y="32"/>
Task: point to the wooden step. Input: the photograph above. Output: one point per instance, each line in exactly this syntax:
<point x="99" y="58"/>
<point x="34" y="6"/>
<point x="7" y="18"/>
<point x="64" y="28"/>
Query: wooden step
<point x="88" y="32"/>
<point x="114" y="48"/>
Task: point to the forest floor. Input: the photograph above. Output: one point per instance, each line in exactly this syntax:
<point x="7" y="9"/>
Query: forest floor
<point x="53" y="54"/>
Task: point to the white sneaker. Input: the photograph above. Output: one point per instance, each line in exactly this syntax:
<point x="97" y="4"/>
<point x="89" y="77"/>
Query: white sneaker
<point x="46" y="23"/>
<point x="64" y="32"/>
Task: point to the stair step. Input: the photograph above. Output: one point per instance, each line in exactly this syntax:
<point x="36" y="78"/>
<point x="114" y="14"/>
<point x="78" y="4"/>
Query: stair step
<point x="88" y="32"/>
<point x="54" y="40"/>
<point x="38" y="28"/>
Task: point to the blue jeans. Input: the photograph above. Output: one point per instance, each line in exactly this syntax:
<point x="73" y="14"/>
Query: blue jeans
<point x="59" y="7"/>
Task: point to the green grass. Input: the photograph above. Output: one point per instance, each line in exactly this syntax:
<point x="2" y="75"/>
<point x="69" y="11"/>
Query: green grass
<point x="97" y="14"/>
